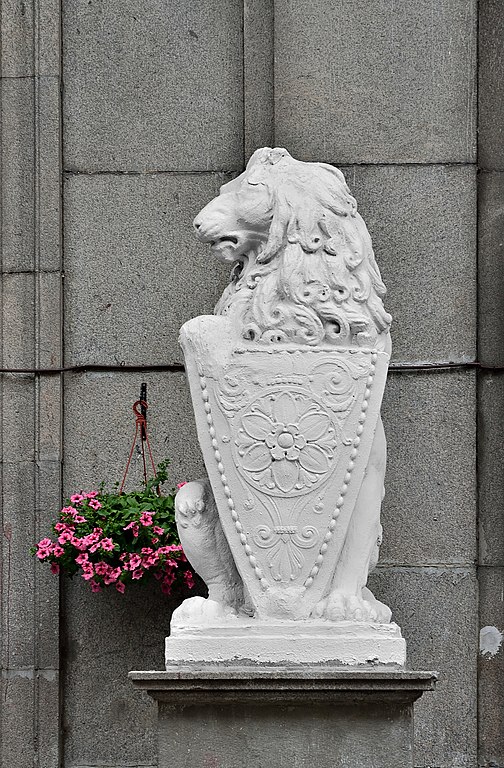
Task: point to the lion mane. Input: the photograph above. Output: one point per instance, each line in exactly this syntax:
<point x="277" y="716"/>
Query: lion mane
<point x="312" y="277"/>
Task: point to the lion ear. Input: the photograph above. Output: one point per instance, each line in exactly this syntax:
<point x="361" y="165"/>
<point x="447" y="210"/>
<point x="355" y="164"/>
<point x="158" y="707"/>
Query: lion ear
<point x="282" y="222"/>
<point x="257" y="156"/>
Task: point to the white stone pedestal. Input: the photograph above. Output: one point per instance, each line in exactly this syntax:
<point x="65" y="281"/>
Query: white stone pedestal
<point x="289" y="642"/>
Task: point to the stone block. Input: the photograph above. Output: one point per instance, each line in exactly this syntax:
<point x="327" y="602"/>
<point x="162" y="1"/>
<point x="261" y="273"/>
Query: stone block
<point x="31" y="201"/>
<point x="258" y="86"/>
<point x="491" y="668"/>
<point x="134" y="272"/>
<point x="106" y="636"/>
<point x="18" y="337"/>
<point x="490" y="272"/>
<point x="149" y="88"/>
<point x="30" y="38"/>
<point x="436" y="609"/>
<point x="18" y="411"/>
<point x="429" y="510"/>
<point x="46" y="585"/>
<point x="29" y="718"/>
<point x="48" y="721"/>
<point x="423" y="222"/>
<point x="358" y="87"/>
<point x="17" y="720"/>
<point x="17" y="98"/>
<point x="100" y="425"/>
<point x="490" y="463"/>
<point x="49" y="418"/>
<point x="18" y="566"/>
<point x="491" y="85"/>
<point x="49" y="295"/>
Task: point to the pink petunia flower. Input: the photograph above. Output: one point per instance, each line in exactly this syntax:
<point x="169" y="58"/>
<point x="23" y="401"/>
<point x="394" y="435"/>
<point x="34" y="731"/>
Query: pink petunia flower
<point x="58" y="551"/>
<point x="146" y="518"/>
<point x="107" y="545"/>
<point x="94" y="504"/>
<point x="68" y="511"/>
<point x="101" y="568"/>
<point x="135" y="529"/>
<point x="79" y="519"/>
<point x="134" y="562"/>
<point x="65" y="536"/>
<point x="189" y="579"/>
<point x="158" y="530"/>
<point x="150" y="560"/>
<point x="120" y="586"/>
<point x="45" y="543"/>
<point x="87" y="571"/>
<point x="91" y="495"/>
<point x="55" y="568"/>
<point x="95" y="587"/>
<point x="43" y="552"/>
<point x="60" y="527"/>
<point x="181" y="485"/>
<point x="112" y="575"/>
<point x="82" y="558"/>
<point x="77" y="498"/>
<point x="137" y="574"/>
<point x="79" y="543"/>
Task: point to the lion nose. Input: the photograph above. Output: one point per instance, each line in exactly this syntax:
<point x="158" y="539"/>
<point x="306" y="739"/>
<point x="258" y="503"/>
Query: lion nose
<point x="196" y="223"/>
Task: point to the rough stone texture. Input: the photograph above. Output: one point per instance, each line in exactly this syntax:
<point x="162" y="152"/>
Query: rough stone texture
<point x="30" y="406"/>
<point x="258" y="74"/>
<point x="30" y="38"/>
<point x="422" y="221"/>
<point x="429" y="509"/>
<point x="490" y="272"/>
<point x="147" y="88"/>
<point x="100" y="425"/>
<point x="99" y="653"/>
<point x="134" y="271"/>
<point x="491" y="85"/>
<point x="325" y="735"/>
<point x="358" y="87"/>
<point x="129" y="234"/>
<point x="30" y="205"/>
<point x="445" y="721"/>
<point x="490" y="464"/>
<point x="491" y="671"/>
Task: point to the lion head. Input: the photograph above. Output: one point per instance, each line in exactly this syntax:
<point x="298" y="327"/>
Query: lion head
<point x="304" y="269"/>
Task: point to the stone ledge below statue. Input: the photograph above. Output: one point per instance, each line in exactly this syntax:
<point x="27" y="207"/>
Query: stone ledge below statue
<point x="239" y="638"/>
<point x="275" y="716"/>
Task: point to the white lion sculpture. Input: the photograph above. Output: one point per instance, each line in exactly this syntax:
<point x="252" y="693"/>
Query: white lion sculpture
<point x="304" y="273"/>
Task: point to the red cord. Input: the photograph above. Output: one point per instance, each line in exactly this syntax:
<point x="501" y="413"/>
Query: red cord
<point x="140" y="427"/>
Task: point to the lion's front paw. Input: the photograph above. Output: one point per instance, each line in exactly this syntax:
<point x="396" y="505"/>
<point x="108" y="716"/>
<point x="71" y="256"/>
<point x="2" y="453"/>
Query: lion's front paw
<point x="341" y="606"/>
<point x="189" y="504"/>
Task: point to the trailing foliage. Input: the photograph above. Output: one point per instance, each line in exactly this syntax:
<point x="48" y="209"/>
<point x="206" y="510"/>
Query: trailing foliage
<point x="112" y="538"/>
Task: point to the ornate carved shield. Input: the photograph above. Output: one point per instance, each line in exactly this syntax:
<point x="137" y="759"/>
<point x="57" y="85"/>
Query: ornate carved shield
<point x="286" y="433"/>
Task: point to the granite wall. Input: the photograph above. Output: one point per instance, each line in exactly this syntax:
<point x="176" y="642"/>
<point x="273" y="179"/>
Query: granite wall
<point x="120" y="119"/>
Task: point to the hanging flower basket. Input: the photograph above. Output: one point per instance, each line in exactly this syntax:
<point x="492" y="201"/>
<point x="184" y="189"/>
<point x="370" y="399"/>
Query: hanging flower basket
<point x="113" y="539"/>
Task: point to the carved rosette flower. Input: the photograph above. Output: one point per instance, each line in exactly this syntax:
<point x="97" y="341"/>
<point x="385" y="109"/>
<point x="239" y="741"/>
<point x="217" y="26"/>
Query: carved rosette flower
<point x="286" y="442"/>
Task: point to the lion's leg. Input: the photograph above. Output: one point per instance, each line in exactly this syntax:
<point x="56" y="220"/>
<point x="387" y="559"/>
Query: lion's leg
<point x="349" y="598"/>
<point x="205" y="544"/>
